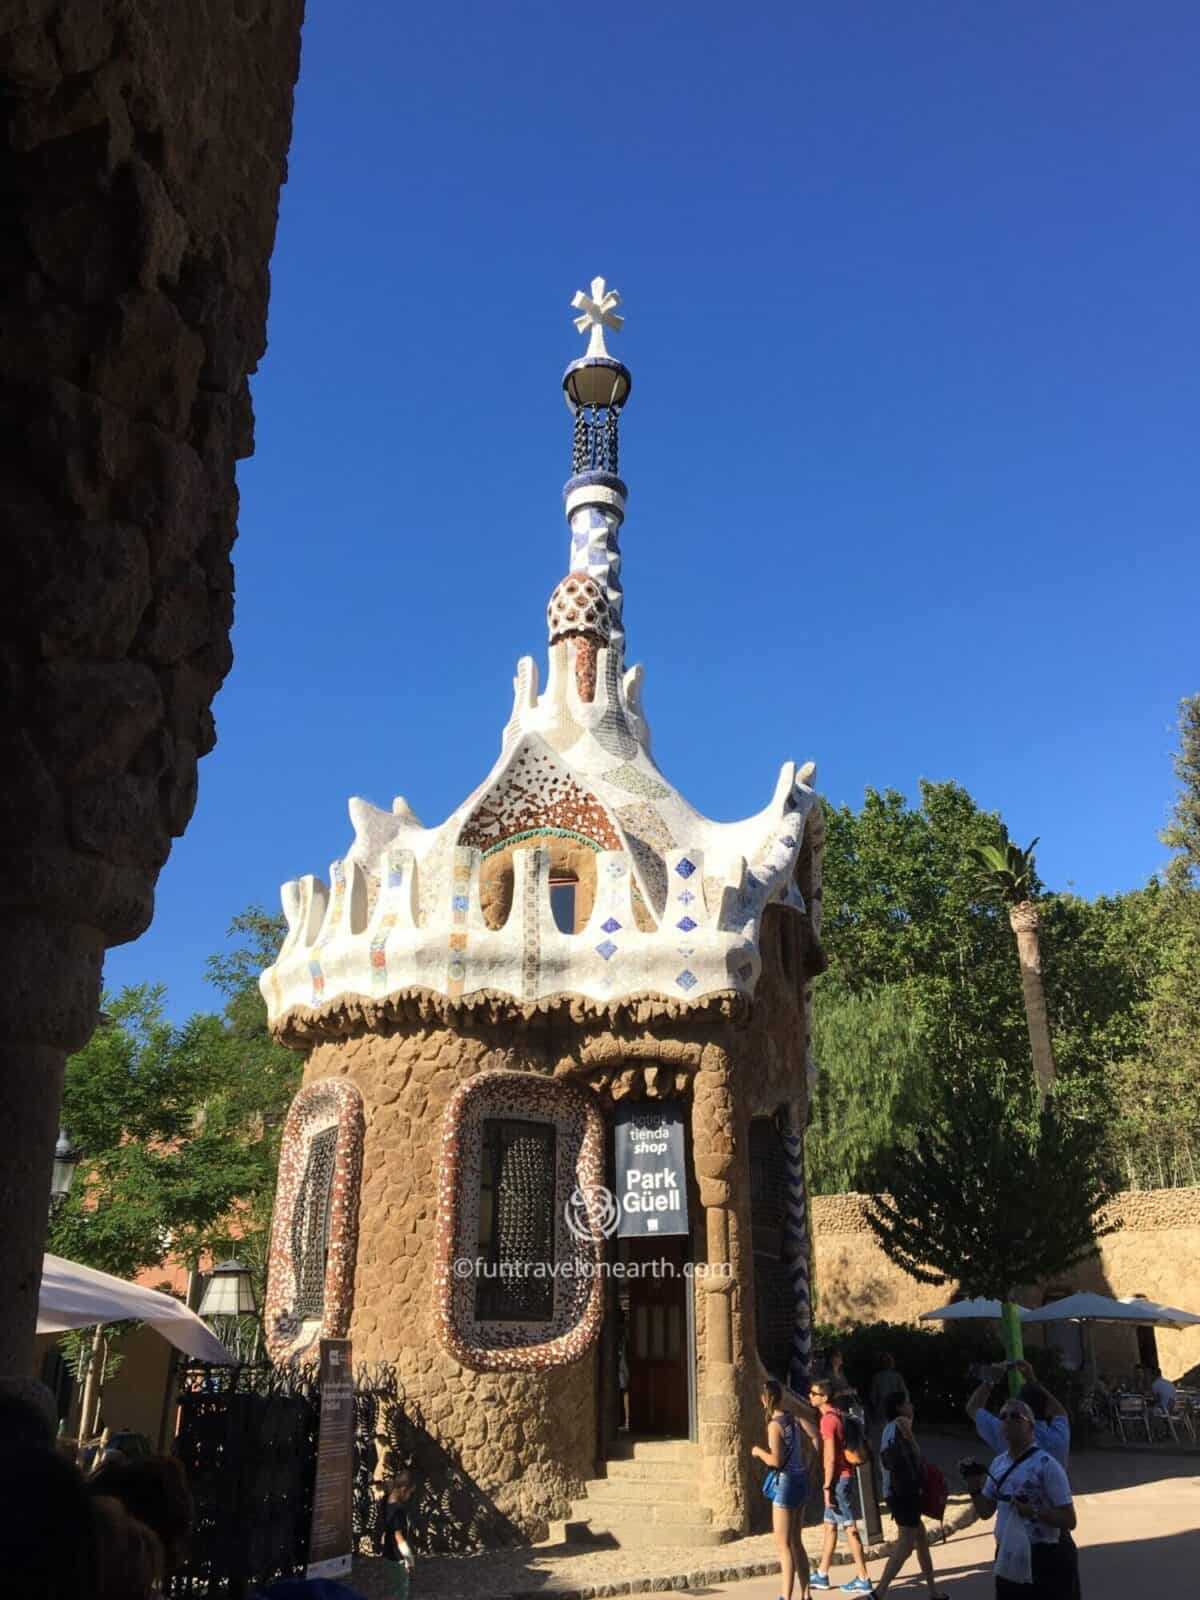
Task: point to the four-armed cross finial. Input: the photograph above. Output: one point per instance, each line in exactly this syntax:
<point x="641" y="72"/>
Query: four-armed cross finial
<point x="598" y="313"/>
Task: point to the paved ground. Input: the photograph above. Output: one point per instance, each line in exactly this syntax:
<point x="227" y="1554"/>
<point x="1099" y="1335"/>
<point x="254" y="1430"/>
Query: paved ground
<point x="1139" y="1516"/>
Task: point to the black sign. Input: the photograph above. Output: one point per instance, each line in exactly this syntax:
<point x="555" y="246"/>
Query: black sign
<point x="331" y="1541"/>
<point x="651" y="1180"/>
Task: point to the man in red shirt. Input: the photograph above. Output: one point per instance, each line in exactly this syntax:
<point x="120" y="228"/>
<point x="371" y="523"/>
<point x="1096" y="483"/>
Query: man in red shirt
<point x="837" y="1480"/>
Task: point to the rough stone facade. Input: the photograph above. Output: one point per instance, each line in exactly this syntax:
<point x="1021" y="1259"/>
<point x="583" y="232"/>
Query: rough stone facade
<point x="517" y="1448"/>
<point x="144" y="147"/>
<point x="1155" y="1253"/>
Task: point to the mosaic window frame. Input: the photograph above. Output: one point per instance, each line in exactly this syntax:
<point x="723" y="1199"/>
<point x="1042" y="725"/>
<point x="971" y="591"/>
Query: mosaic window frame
<point x="319" y="1108"/>
<point x="578" y="1303"/>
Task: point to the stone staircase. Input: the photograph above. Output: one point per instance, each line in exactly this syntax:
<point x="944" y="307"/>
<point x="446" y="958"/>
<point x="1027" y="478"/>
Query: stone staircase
<point x="650" y="1495"/>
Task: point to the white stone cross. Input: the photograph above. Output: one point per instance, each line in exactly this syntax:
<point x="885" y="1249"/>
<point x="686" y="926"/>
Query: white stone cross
<point x="598" y="313"/>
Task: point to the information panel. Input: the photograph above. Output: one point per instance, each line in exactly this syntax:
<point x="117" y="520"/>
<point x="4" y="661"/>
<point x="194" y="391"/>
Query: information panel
<point x="331" y="1538"/>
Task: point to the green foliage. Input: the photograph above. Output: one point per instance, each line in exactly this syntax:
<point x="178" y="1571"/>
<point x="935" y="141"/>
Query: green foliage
<point x="179" y="1126"/>
<point x="1005" y="869"/>
<point x="993" y="1194"/>
<point x="79" y="1346"/>
<point x="875" y="1086"/>
<point x="1182" y="834"/>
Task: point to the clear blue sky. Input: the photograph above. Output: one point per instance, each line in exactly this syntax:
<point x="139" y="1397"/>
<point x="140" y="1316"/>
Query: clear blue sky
<point x="912" y="318"/>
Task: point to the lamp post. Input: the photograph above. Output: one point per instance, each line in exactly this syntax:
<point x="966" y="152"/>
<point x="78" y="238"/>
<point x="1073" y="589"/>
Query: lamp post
<point x="227" y="1300"/>
<point x="62" y="1174"/>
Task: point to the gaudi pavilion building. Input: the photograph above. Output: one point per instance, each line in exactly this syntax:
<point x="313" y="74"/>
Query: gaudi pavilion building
<point x="550" y="1131"/>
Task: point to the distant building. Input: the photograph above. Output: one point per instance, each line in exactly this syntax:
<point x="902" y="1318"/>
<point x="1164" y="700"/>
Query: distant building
<point x="565" y="1029"/>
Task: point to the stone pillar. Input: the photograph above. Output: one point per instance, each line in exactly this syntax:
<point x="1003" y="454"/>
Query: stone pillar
<point x="796" y="1251"/>
<point x="719" y="1399"/>
<point x="142" y="146"/>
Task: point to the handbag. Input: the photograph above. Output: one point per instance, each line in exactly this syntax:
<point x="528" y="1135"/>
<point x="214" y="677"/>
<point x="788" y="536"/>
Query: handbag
<point x="771" y="1482"/>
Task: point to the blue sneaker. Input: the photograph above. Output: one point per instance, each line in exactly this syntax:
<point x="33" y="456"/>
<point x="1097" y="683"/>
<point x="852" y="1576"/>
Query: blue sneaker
<point x="820" y="1580"/>
<point x="858" y="1586"/>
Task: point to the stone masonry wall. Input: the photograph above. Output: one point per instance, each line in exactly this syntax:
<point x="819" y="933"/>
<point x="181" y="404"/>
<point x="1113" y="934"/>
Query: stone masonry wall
<point x="1155" y="1253"/>
<point x="144" y="144"/>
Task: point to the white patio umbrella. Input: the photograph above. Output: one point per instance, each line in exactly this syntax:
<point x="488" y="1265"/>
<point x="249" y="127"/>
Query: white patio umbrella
<point x="1087" y="1307"/>
<point x="77" y="1297"/>
<point x="967" y="1310"/>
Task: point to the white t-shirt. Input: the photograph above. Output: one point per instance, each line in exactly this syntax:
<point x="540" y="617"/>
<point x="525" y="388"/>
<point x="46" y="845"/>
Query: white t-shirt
<point x="1164" y="1393"/>
<point x="1053" y="1436"/>
<point x="1040" y="1478"/>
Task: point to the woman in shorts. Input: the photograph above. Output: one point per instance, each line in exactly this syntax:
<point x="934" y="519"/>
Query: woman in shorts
<point x="786" y="1486"/>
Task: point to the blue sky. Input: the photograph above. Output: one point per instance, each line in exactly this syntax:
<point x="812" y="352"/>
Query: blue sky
<point x="912" y="319"/>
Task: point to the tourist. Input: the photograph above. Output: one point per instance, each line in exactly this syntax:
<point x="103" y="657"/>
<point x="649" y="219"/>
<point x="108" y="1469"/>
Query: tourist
<point x="786" y="1486"/>
<point x="837" y="1482"/>
<point x="48" y="1532"/>
<point x="900" y="1459"/>
<point x="28" y="1416"/>
<point x="154" y="1490"/>
<point x="1052" y="1425"/>
<point x="886" y="1381"/>
<point x="131" y="1554"/>
<point x="1026" y="1481"/>
<point x="1162" y="1391"/>
<point x="398" y="1526"/>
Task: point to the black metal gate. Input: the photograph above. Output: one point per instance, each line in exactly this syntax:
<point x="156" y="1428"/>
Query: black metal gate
<point x="248" y="1442"/>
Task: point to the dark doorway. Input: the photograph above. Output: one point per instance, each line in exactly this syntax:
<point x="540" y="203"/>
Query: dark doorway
<point x="657" y="1337"/>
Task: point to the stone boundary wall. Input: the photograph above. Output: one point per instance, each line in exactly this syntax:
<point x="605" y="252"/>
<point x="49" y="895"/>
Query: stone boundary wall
<point x="1155" y="1252"/>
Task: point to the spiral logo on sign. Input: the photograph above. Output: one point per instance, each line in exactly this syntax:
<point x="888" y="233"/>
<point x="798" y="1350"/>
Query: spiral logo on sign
<point x="591" y="1210"/>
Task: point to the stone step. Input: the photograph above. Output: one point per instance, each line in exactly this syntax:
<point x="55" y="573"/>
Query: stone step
<point x="572" y="1533"/>
<point x="636" y="1469"/>
<point x="639" y="1491"/>
<point x="641" y="1533"/>
<point x="655" y="1450"/>
<point x="611" y="1510"/>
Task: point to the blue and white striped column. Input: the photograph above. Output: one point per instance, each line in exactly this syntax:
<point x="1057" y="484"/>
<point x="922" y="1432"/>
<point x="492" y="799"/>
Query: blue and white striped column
<point x="796" y="1252"/>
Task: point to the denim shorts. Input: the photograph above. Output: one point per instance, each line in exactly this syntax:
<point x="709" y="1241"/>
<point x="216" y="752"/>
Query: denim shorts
<point x="790" y="1490"/>
<point x="842" y="1513"/>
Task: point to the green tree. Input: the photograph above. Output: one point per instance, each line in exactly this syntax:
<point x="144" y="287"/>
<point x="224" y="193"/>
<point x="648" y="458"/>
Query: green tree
<point x="1007" y="872"/>
<point x="179" y="1126"/>
<point x="993" y="1193"/>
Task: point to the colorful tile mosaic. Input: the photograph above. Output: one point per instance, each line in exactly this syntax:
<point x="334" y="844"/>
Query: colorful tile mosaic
<point x="320" y="1106"/>
<point x="579" y="1167"/>
<point x="535" y="792"/>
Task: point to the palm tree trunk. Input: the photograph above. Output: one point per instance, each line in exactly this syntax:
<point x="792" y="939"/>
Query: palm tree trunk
<point x="1024" y="921"/>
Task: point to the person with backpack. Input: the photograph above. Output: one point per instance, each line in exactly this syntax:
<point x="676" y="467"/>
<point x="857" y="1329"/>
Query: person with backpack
<point x="1027" y="1491"/>
<point x="903" y="1487"/>
<point x="843" y="1447"/>
<point x="786" y="1486"/>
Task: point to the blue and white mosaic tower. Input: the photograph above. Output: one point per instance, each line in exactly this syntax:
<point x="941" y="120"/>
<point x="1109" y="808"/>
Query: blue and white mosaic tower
<point x="596" y="388"/>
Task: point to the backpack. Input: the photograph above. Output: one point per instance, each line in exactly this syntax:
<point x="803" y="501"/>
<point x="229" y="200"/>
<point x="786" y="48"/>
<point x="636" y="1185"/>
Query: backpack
<point x="855" y="1444"/>
<point x="934" y="1492"/>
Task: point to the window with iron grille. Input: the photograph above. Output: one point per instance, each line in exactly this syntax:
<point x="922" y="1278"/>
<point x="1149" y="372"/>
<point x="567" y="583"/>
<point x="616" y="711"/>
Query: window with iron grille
<point x="516" y="1222"/>
<point x="310" y="1224"/>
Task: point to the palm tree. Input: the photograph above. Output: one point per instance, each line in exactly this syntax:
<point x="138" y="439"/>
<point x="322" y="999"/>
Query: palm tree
<point x="1007" y="872"/>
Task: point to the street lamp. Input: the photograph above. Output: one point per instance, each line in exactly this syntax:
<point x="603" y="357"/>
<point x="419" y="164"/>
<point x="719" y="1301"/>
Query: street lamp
<point x="228" y="1298"/>
<point x="66" y="1159"/>
<point x="228" y="1292"/>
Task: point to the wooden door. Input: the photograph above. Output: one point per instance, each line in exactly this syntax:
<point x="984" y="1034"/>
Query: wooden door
<point x="657" y="1339"/>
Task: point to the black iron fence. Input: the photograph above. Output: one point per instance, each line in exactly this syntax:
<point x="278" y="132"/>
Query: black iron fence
<point x="247" y="1438"/>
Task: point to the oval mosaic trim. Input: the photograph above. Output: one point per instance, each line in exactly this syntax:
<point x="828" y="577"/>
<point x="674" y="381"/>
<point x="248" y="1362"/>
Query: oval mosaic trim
<point x="327" y="1103"/>
<point x="579" y="1287"/>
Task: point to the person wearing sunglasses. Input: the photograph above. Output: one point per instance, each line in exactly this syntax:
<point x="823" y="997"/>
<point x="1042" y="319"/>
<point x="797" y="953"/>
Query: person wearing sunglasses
<point x="1027" y="1482"/>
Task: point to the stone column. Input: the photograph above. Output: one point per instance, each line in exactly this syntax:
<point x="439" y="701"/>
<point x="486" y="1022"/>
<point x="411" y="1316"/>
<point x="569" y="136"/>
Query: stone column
<point x="142" y="146"/>
<point x="713" y="1148"/>
<point x="796" y="1251"/>
<point x="48" y="1007"/>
